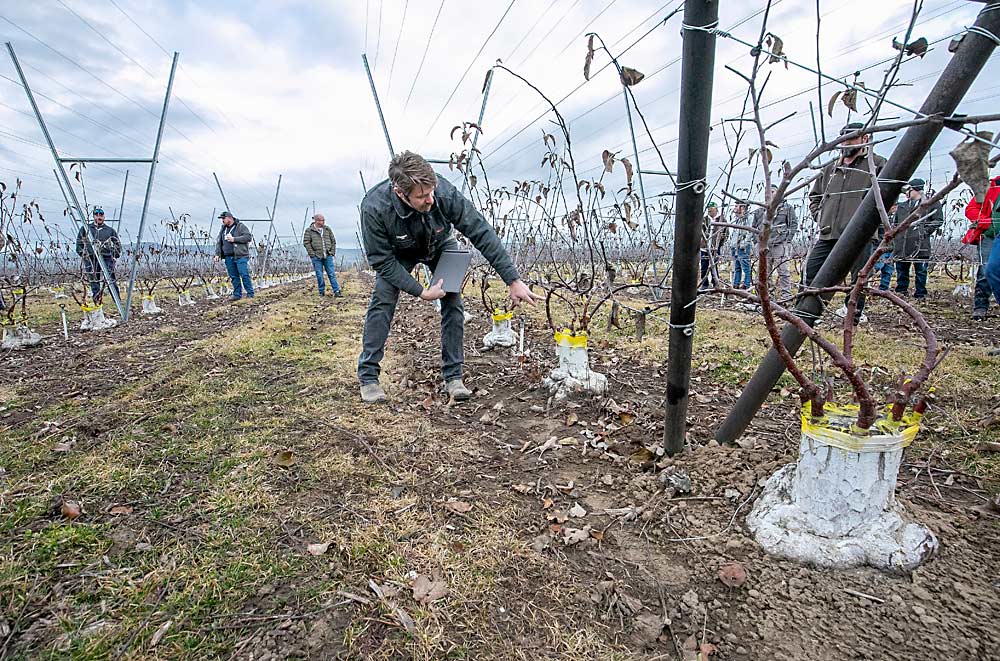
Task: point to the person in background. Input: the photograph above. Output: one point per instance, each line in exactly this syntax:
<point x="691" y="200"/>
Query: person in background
<point x="779" y="243"/>
<point x="884" y="265"/>
<point x="407" y="220"/>
<point x="712" y="240"/>
<point x="742" y="244"/>
<point x="982" y="234"/>
<point x="833" y="199"/>
<point x="321" y="246"/>
<point x="913" y="247"/>
<point x="98" y="241"/>
<point x="233" y="246"/>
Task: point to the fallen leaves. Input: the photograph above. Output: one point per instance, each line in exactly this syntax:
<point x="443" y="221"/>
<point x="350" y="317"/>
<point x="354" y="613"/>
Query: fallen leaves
<point x="121" y="510"/>
<point x="427" y="590"/>
<point x="733" y="574"/>
<point x="577" y="511"/>
<point x="70" y="509"/>
<point x="285" y="458"/>
<point x="318" y="549"/>
<point x="458" y="506"/>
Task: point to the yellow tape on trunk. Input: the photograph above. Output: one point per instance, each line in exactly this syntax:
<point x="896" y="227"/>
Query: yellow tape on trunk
<point x="838" y="428"/>
<point x="568" y="338"/>
<point x="90" y="308"/>
<point x="499" y="316"/>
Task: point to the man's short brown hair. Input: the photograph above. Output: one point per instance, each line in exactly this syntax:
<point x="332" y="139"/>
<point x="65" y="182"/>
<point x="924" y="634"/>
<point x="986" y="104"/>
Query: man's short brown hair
<point x="407" y="170"/>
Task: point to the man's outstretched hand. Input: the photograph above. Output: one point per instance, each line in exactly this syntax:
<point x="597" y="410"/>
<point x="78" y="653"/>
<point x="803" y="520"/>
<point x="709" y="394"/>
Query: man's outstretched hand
<point x="521" y="293"/>
<point x="433" y="293"/>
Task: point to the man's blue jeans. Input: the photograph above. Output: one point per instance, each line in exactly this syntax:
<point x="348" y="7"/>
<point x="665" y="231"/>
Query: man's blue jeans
<point x="238" y="269"/>
<point x="884" y="266"/>
<point x="991" y="273"/>
<point x="741" y="267"/>
<point x="93" y="271"/>
<point x="903" y="278"/>
<point x="321" y="264"/>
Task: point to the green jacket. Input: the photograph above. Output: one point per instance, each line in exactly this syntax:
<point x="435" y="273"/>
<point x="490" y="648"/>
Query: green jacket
<point x="837" y="193"/>
<point x="319" y="243"/>
<point x="915" y="242"/>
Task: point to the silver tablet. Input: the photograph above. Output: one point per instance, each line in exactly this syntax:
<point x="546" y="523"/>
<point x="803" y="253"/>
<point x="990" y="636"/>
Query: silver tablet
<point x="452" y="267"/>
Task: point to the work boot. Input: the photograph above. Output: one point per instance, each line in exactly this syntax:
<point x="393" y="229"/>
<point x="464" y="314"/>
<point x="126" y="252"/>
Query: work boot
<point x="338" y="294"/>
<point x="372" y="393"/>
<point x="457" y="390"/>
<point x="979" y="315"/>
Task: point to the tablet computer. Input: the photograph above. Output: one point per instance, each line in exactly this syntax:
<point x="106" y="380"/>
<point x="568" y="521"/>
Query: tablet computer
<point x="452" y="267"/>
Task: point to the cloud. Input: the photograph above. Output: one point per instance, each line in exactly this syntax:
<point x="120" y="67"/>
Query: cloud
<point x="277" y="88"/>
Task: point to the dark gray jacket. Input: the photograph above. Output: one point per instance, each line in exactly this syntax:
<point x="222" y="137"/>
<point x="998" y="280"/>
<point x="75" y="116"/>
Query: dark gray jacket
<point x="837" y="193"/>
<point x="319" y="243"/>
<point x="102" y="240"/>
<point x="783" y="227"/>
<point x="241" y="240"/>
<point x="397" y="237"/>
<point x="915" y="242"/>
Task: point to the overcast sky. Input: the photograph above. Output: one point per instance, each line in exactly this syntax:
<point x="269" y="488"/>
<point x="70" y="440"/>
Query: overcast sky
<point x="278" y="88"/>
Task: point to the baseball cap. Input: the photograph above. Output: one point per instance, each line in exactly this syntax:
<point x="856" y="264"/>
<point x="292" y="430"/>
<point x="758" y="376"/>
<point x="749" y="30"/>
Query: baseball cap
<point x="226" y="214"/>
<point x="98" y="210"/>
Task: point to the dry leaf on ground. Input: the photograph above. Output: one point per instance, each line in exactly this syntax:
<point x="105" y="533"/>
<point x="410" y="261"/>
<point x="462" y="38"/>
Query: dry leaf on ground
<point x="284" y="458"/>
<point x="427" y="590"/>
<point x="458" y="506"/>
<point x="733" y="574"/>
<point x="318" y="549"/>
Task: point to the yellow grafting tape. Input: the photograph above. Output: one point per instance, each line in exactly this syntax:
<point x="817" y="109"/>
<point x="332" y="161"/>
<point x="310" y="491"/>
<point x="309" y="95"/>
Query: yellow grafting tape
<point x="499" y="316"/>
<point x="837" y="428"/>
<point x="568" y="338"/>
<point x="90" y="308"/>
<point x="18" y="292"/>
<point x="147" y="298"/>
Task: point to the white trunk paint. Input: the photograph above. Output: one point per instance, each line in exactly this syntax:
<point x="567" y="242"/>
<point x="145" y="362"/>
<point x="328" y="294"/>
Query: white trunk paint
<point x="837" y="508"/>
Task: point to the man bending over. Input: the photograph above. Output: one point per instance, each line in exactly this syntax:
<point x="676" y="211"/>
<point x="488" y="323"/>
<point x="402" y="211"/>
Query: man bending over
<point x="406" y="220"/>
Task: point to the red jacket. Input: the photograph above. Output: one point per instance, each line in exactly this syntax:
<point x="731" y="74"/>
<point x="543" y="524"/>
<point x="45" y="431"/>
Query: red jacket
<point x="981" y="215"/>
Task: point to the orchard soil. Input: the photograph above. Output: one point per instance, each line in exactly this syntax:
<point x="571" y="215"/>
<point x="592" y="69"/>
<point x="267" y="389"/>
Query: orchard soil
<point x="238" y="501"/>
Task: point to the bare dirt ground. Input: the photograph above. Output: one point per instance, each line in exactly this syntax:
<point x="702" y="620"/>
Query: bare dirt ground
<point x="238" y="501"/>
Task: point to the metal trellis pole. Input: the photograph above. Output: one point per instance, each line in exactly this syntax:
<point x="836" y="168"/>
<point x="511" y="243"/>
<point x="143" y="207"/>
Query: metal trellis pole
<point x="149" y="187"/>
<point x="378" y="106"/>
<point x="697" y="64"/>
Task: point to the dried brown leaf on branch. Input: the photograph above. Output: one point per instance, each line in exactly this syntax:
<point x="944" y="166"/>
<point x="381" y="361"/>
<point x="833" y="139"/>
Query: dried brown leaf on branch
<point x="777" y="48"/>
<point x="833" y="102"/>
<point x="451" y="136"/>
<point x="850" y="97"/>
<point x="589" y="59"/>
<point x="631" y="76"/>
<point x="609" y="160"/>
<point x="627" y="164"/>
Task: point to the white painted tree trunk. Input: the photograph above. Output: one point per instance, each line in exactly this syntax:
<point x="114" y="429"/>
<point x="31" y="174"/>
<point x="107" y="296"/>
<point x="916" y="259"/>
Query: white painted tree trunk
<point x="836" y="507"/>
<point x="502" y="335"/>
<point x="184" y="298"/>
<point x="19" y="337"/>
<point x="94" y="319"/>
<point x="573" y="373"/>
<point x="149" y="305"/>
<point x="210" y="294"/>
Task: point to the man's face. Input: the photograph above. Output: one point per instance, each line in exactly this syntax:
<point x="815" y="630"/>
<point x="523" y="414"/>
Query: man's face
<point x="99" y="219"/>
<point x="741" y="210"/>
<point x="915" y="193"/>
<point x="228" y="221"/>
<point x="420" y="198"/>
<point x="319" y="220"/>
<point x="713" y="212"/>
